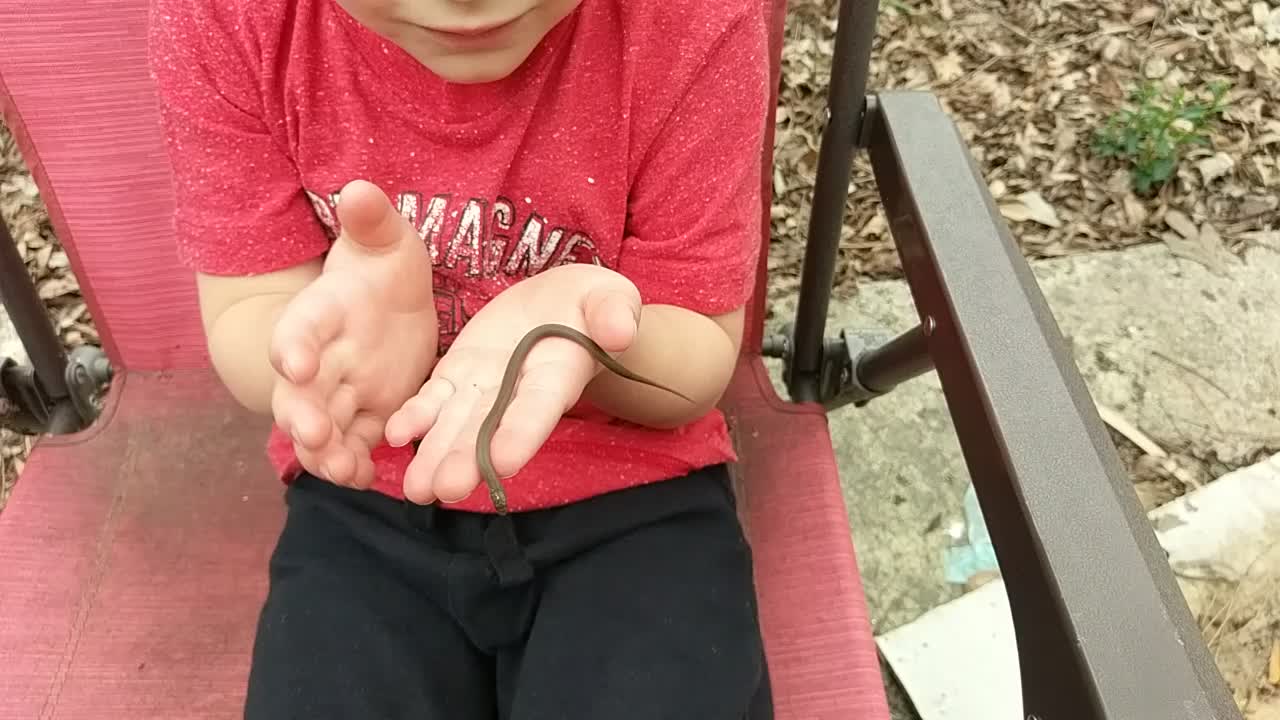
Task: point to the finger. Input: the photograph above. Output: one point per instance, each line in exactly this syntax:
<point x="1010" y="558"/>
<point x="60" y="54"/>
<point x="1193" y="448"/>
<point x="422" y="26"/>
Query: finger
<point x="342" y="406"/>
<point x="297" y="414"/>
<point x="312" y="320"/>
<point x="458" y="473"/>
<point x="419" y="482"/>
<point x="338" y="461"/>
<point x="368" y="218"/>
<point x="326" y="462"/>
<point x="361" y="438"/>
<point x="613" y="316"/>
<point x="415" y="418"/>
<point x="457" y="476"/>
<point x="541" y="399"/>
<point x="310" y="463"/>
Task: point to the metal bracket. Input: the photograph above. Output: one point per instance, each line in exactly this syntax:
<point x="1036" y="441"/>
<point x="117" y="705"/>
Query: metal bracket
<point x="854" y="346"/>
<point x="88" y="374"/>
<point x="838" y="383"/>
<point x="25" y="406"/>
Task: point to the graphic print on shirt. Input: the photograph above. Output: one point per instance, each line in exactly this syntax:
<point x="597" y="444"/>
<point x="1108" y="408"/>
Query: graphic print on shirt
<point x="476" y="239"/>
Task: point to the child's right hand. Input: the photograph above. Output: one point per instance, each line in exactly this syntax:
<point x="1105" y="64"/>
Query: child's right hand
<point x="356" y="343"/>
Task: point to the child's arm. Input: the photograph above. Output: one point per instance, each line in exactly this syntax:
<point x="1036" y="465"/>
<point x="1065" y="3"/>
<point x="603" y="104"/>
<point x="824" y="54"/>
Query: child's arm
<point x="680" y="347"/>
<point x="695" y="222"/>
<point x="241" y="223"/>
<point x="328" y="337"/>
<point x="240" y="315"/>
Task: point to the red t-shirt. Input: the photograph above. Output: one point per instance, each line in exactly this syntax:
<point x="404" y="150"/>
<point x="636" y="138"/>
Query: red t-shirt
<point x="630" y="138"/>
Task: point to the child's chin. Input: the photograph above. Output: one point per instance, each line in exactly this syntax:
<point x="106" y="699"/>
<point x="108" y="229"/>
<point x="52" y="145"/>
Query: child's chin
<point x="476" y="68"/>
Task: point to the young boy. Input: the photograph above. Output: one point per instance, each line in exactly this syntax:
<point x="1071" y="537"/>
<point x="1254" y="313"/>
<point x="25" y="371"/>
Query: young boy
<point x="379" y="198"/>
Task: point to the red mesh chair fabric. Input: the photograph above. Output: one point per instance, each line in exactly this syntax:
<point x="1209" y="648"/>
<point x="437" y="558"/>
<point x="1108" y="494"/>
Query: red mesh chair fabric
<point x="132" y="556"/>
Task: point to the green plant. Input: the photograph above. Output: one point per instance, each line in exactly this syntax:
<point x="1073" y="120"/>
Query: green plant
<point x="1152" y="133"/>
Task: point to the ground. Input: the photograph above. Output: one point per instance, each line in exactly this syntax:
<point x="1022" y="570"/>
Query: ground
<point x="1029" y="83"/>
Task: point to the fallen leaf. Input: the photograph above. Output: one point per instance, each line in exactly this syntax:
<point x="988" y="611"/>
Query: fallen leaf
<point x="1031" y="206"/>
<point x="1205" y="247"/>
<point x="1267" y="18"/>
<point x="1271" y="58"/>
<point x="1215" y="166"/>
<point x="948" y="68"/>
<point x="1134" y="210"/>
<point x="56" y="287"/>
<point x="1258" y="204"/>
<point x="1180" y="223"/>
<point x="1144" y="15"/>
<point x="1265" y="238"/>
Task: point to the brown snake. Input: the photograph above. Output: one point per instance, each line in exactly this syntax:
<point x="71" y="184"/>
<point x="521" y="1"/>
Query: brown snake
<point x="507" y="390"/>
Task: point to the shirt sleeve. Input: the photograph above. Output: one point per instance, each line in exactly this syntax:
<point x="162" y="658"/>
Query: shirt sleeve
<point x="240" y="208"/>
<point x="695" y="225"/>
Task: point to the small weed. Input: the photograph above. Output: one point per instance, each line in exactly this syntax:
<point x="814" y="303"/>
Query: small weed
<point x="1152" y="134"/>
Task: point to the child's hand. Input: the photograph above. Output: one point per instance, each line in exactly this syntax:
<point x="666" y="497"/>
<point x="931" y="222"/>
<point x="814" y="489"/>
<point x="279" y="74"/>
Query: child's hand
<point x="449" y="408"/>
<point x="357" y="342"/>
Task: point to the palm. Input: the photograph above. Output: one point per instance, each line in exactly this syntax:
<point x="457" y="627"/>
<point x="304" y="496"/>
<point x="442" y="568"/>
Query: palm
<point x="451" y="407"/>
<point x="357" y="341"/>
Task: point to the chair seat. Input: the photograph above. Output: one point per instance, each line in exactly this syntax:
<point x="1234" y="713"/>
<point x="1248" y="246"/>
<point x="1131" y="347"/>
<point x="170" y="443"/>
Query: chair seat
<point x="133" y="558"/>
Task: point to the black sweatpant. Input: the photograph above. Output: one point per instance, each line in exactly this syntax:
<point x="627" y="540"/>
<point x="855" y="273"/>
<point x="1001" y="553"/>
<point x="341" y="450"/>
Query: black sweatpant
<point x="635" y="604"/>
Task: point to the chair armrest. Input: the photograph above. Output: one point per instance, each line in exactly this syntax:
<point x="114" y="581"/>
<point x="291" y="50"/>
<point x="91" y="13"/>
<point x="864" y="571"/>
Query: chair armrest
<point x="1103" y="631"/>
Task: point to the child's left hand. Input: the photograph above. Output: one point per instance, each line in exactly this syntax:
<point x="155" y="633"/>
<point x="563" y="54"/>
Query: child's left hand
<point x="449" y="408"/>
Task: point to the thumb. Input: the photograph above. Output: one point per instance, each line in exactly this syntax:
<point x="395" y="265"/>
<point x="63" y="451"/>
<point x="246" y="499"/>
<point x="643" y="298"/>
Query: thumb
<point x="369" y="220"/>
<point x="612" y="316"/>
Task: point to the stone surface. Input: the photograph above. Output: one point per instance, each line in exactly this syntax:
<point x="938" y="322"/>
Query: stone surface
<point x="1187" y="356"/>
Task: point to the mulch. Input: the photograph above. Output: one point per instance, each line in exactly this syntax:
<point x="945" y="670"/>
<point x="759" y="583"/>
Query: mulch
<point x="1028" y="83"/>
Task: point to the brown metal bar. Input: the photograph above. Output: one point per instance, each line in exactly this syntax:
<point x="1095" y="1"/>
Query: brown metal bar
<point x="882" y="369"/>
<point x="846" y="97"/>
<point x="1103" y="631"/>
<point x="26" y="311"/>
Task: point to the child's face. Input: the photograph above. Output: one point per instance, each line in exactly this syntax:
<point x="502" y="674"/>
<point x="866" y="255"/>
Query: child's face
<point x="463" y="41"/>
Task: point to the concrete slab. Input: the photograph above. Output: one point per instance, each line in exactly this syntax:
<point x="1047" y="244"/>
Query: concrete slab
<point x="960" y="660"/>
<point x="1187" y="356"/>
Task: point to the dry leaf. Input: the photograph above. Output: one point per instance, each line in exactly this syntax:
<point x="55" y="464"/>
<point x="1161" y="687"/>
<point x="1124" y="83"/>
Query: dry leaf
<point x="55" y="287"/>
<point x="1031" y="206"/>
<point x="1267" y="18"/>
<point x="1215" y="166"/>
<point x="1134" y="210"/>
<point x="1156" y="68"/>
<point x="1144" y="15"/>
<point x="1273" y="665"/>
<point x="1179" y="222"/>
<point x="1205" y="247"/>
<point x="1265" y="238"/>
<point x="948" y="68"/>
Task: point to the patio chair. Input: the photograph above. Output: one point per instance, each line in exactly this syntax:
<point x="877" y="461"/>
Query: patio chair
<point x="133" y="549"/>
